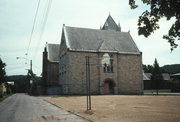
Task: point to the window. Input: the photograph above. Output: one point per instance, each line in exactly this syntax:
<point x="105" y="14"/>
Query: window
<point x="107" y="61"/>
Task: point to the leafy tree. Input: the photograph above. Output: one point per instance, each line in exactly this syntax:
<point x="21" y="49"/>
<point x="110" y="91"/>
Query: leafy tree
<point x="148" y="68"/>
<point x="20" y="83"/>
<point x="145" y="68"/>
<point x="148" y="21"/>
<point x="156" y="76"/>
<point x="2" y="72"/>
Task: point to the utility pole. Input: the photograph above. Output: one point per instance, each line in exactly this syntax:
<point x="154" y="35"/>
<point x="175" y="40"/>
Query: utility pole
<point x="31" y="65"/>
<point x="88" y="84"/>
<point x="30" y="73"/>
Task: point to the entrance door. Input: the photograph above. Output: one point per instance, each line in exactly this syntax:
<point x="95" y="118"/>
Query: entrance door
<point x="108" y="86"/>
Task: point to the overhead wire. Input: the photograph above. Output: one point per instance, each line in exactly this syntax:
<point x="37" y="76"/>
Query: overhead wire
<point x="34" y="22"/>
<point x="45" y="17"/>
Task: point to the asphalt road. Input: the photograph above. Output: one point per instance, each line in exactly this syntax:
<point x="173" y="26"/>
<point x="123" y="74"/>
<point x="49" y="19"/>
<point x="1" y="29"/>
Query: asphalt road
<point x="25" y="108"/>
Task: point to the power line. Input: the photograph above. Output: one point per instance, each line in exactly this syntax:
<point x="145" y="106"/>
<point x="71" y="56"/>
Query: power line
<point x="45" y="17"/>
<point x="33" y="27"/>
<point x="16" y="68"/>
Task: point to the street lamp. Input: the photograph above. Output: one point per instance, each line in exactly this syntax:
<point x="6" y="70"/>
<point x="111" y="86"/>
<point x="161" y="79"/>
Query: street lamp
<point x="29" y="71"/>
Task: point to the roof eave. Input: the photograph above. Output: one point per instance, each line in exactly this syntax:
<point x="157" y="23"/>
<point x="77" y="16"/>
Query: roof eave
<point x="104" y="51"/>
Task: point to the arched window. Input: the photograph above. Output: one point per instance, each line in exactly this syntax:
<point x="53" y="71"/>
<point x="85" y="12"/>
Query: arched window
<point x="107" y="61"/>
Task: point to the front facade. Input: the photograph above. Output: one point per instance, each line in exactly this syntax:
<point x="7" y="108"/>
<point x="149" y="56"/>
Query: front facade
<point x="115" y="61"/>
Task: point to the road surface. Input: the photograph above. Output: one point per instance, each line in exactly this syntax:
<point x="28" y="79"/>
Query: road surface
<point x="25" y="108"/>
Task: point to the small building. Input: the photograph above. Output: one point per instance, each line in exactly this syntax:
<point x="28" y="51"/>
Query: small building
<point x="51" y="68"/>
<point x="2" y="89"/>
<point x="115" y="60"/>
<point x="175" y="82"/>
<point x="165" y="84"/>
<point x="177" y="76"/>
<point x="147" y="76"/>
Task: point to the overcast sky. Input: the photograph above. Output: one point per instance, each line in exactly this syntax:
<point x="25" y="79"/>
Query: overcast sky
<point x="16" y="22"/>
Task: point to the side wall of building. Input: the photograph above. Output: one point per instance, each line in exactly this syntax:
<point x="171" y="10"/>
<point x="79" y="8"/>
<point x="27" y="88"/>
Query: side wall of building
<point x="130" y="79"/>
<point x="77" y="73"/>
<point x="52" y="73"/>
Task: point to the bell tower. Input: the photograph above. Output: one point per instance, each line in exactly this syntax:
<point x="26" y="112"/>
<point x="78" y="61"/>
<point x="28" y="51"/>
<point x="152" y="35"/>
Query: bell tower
<point x="110" y="24"/>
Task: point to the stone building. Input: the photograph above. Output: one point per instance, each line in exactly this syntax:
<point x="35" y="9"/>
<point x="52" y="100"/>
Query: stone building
<point x="51" y="68"/>
<point x="115" y="60"/>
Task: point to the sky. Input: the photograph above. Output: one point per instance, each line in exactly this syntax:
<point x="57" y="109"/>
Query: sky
<point x="16" y="23"/>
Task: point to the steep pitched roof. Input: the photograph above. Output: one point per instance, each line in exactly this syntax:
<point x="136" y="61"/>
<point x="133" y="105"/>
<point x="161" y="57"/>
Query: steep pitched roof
<point x="53" y="52"/>
<point x="110" y="24"/>
<point x="83" y="39"/>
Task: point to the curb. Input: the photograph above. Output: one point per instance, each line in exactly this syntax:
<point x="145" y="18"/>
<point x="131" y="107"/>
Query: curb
<point x="68" y="111"/>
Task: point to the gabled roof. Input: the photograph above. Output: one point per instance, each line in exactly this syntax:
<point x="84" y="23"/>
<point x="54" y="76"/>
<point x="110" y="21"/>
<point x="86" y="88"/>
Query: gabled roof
<point x="177" y="74"/>
<point x="53" y="52"/>
<point x="166" y="76"/>
<point x="93" y="40"/>
<point x="145" y="77"/>
<point x="110" y="24"/>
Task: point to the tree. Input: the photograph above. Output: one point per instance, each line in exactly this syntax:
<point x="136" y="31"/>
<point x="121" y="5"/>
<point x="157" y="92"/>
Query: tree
<point x="147" y="68"/>
<point x="148" y="21"/>
<point x="2" y="72"/>
<point x="20" y="83"/>
<point x="156" y="76"/>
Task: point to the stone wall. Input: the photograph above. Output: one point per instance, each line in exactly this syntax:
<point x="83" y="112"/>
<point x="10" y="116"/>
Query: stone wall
<point x="112" y="75"/>
<point x="77" y="72"/>
<point x="127" y="73"/>
<point x="130" y="79"/>
<point x="52" y="73"/>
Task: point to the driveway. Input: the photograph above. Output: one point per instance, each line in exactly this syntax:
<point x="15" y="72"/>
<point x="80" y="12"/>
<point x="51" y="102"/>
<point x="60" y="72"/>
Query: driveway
<point x="25" y="108"/>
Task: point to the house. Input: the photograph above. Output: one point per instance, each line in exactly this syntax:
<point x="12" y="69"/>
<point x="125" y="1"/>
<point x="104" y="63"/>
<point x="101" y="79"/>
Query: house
<point x="51" y="68"/>
<point x="147" y="76"/>
<point x="175" y="82"/>
<point x="177" y="76"/>
<point x="163" y="85"/>
<point x="115" y="60"/>
<point x="3" y="89"/>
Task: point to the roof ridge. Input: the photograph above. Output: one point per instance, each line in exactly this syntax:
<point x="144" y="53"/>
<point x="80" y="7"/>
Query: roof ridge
<point x="96" y="29"/>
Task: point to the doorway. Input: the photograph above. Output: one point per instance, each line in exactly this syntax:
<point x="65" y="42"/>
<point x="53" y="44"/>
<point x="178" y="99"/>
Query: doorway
<point x="108" y="86"/>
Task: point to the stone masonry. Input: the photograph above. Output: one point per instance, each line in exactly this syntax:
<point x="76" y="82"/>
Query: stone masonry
<point x="126" y="75"/>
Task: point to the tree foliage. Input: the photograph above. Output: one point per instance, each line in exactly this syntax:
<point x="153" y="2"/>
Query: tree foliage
<point x="148" y="21"/>
<point x="147" y="68"/>
<point x="20" y="83"/>
<point x="156" y="76"/>
<point x="156" y="73"/>
<point x="2" y="72"/>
